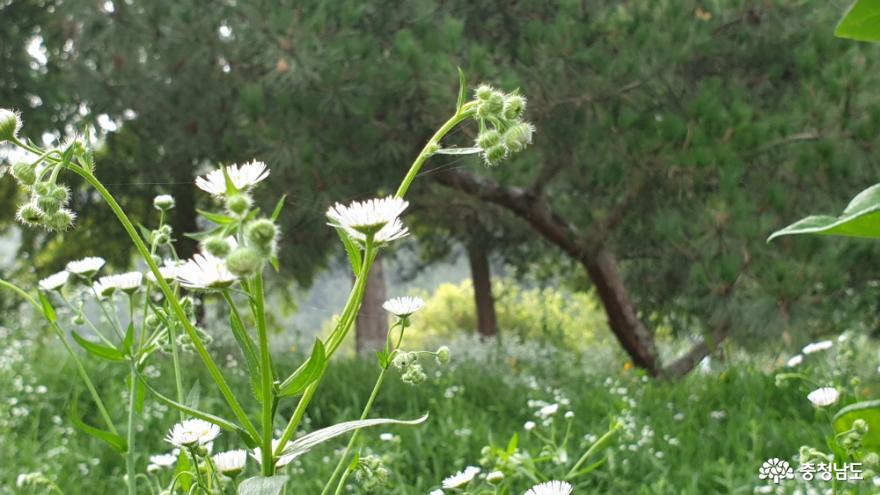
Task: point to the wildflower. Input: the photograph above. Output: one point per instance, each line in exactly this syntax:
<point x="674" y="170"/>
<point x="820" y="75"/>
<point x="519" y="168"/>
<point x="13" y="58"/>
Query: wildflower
<point x="167" y="270"/>
<point x="403" y="307"/>
<point x="817" y="346"/>
<point x="548" y="410"/>
<point x="29" y="214"/>
<point x="719" y="415"/>
<point x="795" y="360"/>
<point x="192" y="432"/>
<point x="374" y="217"/>
<point x="60" y="220"/>
<point x="495" y="477"/>
<point x="461" y="478"/>
<point x="529" y="425"/>
<point x="243" y="177"/>
<point x="569" y="415"/>
<point x="205" y="271"/>
<point x="244" y="261"/>
<point x="263" y="234"/>
<point x="163" y="202"/>
<point x="218" y="246"/>
<point x="230" y="463"/>
<point x="10" y="124"/>
<point x="85" y="267"/>
<point x="551" y="488"/>
<point x="518" y="137"/>
<point x="25" y="173"/>
<point x="282" y="461"/>
<point x="443" y="355"/>
<point x="440" y="492"/>
<point x="824" y="396"/>
<point x="162" y="460"/>
<point x="125" y="282"/>
<point x="54" y="282"/>
<point x="389" y="437"/>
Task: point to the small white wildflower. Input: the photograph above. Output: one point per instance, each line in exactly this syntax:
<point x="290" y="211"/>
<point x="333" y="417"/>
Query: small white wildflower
<point x="125" y="282"/>
<point x="495" y="477"/>
<point x="461" y="478"/>
<point x="163" y="202"/>
<point x="168" y="272"/>
<point x="192" y="432"/>
<point x="231" y="462"/>
<point x="551" y="488"/>
<point x="55" y="281"/>
<point x="529" y="425"/>
<point x="204" y="271"/>
<point x="817" y="346"/>
<point x="377" y="217"/>
<point x="825" y="396"/>
<point x="795" y="360"/>
<point x="719" y="415"/>
<point x="569" y="415"/>
<point x="86" y="267"/>
<point x="403" y="307"/>
<point x="242" y="177"/>
<point x="436" y="492"/>
<point x="388" y="437"/>
<point x="678" y="417"/>
<point x="548" y="410"/>
<point x="163" y="460"/>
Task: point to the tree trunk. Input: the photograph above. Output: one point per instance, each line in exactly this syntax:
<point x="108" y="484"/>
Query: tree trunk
<point x="481" y="276"/>
<point x="371" y="325"/>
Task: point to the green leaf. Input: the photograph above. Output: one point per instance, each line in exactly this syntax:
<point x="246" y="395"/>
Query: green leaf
<point x="249" y="350"/>
<point x="353" y="251"/>
<point x="462" y="90"/>
<point x="230" y="186"/>
<point x="101" y="351"/>
<point x="129" y="339"/>
<point x="308" y="441"/>
<point x="868" y="411"/>
<point x="260" y="485"/>
<point x="183" y="473"/>
<point x="114" y="440"/>
<point x="140" y="397"/>
<point x="458" y="151"/>
<point x="511" y="445"/>
<point x="194" y="395"/>
<point x="861" y="21"/>
<point x="146" y="234"/>
<point x="305" y="375"/>
<point x="205" y="234"/>
<point x="218" y="218"/>
<point x="48" y="310"/>
<point x="278" y="207"/>
<point x="861" y="218"/>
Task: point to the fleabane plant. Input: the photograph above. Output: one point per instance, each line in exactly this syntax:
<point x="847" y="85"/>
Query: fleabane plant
<point x="153" y="312"/>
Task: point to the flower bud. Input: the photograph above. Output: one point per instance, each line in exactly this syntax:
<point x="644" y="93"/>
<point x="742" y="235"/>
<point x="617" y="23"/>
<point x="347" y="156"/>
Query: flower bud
<point x="443" y="355"/>
<point x="495" y="154"/>
<point x="25" y="173"/>
<point x="261" y="233"/>
<point x="514" y="105"/>
<point x="78" y="320"/>
<point x="860" y="426"/>
<point x="60" y="220"/>
<point x="495" y="477"/>
<point x="10" y="124"/>
<point x="216" y="246"/>
<point x="488" y="139"/>
<point x="519" y="136"/>
<point x="29" y="214"/>
<point x="492" y="106"/>
<point x="42" y="188"/>
<point x="238" y="204"/>
<point x="871" y="459"/>
<point x="48" y="204"/>
<point x="163" y="202"/>
<point x="244" y="261"/>
<point x="61" y="193"/>
<point x="484" y="91"/>
<point x="414" y="375"/>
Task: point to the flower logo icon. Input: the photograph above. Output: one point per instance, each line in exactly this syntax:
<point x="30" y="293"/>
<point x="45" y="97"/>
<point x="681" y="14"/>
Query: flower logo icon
<point x="776" y="470"/>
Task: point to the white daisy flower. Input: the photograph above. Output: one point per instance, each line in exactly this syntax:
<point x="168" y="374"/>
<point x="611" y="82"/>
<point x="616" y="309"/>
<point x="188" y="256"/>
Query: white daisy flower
<point x="282" y="461"/>
<point x="529" y="425"/>
<point x="242" y="177"/>
<point x="163" y="460"/>
<point x="125" y="282"/>
<point x="795" y="360"/>
<point x="547" y="411"/>
<point x="390" y="232"/>
<point x="370" y="217"/>
<point x="403" y="306"/>
<point x="461" y="478"/>
<point x="231" y="462"/>
<point x="825" y="396"/>
<point x="440" y="492"/>
<point x="551" y="488"/>
<point x="204" y="271"/>
<point x="168" y="271"/>
<point x="54" y="282"/>
<point x="86" y="267"/>
<point x="817" y="346"/>
<point x="192" y="432"/>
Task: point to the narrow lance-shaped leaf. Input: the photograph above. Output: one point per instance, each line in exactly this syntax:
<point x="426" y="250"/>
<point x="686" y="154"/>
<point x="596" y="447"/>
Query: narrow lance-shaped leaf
<point x="459" y="151"/>
<point x="462" y="90"/>
<point x="308" y="441"/>
<point x="278" y="207"/>
<point x="98" y="350"/>
<point x="217" y="218"/>
<point x="112" y="439"/>
<point x="305" y="375"/>
<point x="48" y="310"/>
<point x="353" y="251"/>
<point x="249" y="350"/>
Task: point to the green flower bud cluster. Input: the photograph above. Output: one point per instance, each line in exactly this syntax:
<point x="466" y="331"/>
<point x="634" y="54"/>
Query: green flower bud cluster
<point x="238" y="204"/>
<point x="47" y="205"/>
<point x="162" y="235"/>
<point x="502" y="128"/>
<point x="442" y="355"/>
<point x="371" y="473"/>
<point x="10" y="124"/>
<point x="261" y="244"/>
<point x="408" y="362"/>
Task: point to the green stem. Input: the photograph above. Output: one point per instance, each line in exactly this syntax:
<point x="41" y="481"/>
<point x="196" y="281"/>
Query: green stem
<point x="354" y="436"/>
<point x="268" y="464"/>
<point x="596" y="446"/>
<point x="129" y="456"/>
<point x="342" y="482"/>
<point x="175" y="361"/>
<point x="213" y="370"/>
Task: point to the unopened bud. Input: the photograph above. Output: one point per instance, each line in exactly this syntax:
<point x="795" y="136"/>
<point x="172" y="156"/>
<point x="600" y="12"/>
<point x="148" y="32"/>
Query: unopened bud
<point x="443" y="355"/>
<point x="48" y="204"/>
<point x="25" y="173"/>
<point x="495" y="154"/>
<point x="261" y="233"/>
<point x="244" y="261"/>
<point x="514" y="105"/>
<point x="519" y="136"/>
<point x="163" y="202"/>
<point x="10" y="124"/>
<point x="216" y="246"/>
<point x="29" y="214"/>
<point x="860" y="426"/>
<point x="238" y="204"/>
<point x="488" y="139"/>
<point x="60" y="220"/>
<point x="495" y="477"/>
<point x="484" y="91"/>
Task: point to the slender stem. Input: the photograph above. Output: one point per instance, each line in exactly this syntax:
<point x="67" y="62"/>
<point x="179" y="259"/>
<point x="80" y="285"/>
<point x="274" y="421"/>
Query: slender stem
<point x="354" y="436"/>
<point x="596" y="445"/>
<point x="341" y="482"/>
<point x="466" y="111"/>
<point x="129" y="456"/>
<point x="213" y="370"/>
<point x="268" y="464"/>
<point x="175" y="361"/>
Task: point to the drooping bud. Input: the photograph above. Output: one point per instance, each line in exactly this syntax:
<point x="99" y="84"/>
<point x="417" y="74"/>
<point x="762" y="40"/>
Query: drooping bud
<point x="414" y="375"/>
<point x="29" y="214"/>
<point x="514" y="106"/>
<point x="60" y="220"/>
<point x="488" y="139"/>
<point x="152" y="322"/>
<point x="61" y="193"/>
<point x="163" y="202"/>
<point x="495" y="154"/>
<point x="216" y="246"/>
<point x="48" y="204"/>
<point x="484" y="91"/>
<point x="10" y="124"/>
<point x="42" y="188"/>
<point x="25" y="173"/>
<point x="244" y="261"/>
<point x="238" y="204"/>
<point x="495" y="477"/>
<point x="860" y="426"/>
<point x="261" y="233"/>
<point x="519" y="136"/>
<point x="443" y="355"/>
<point x="492" y="106"/>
